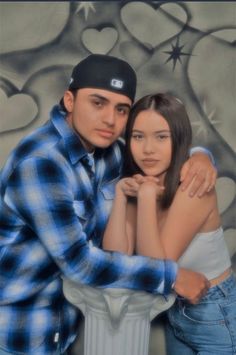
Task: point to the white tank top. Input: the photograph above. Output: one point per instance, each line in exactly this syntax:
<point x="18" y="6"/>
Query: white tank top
<point x="207" y="253"/>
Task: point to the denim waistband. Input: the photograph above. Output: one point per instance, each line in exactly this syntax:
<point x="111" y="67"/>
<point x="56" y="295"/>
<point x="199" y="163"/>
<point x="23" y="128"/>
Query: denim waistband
<point x="223" y="289"/>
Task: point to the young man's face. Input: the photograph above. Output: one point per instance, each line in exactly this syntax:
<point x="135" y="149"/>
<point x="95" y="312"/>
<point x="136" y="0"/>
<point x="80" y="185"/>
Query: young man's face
<point x="98" y="116"/>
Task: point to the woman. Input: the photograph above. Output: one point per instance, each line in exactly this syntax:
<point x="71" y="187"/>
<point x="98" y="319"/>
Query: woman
<point x="152" y="216"/>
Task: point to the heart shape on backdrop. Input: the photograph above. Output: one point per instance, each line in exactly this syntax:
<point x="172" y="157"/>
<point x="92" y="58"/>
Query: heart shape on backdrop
<point x="228" y="35"/>
<point x="226" y="191"/>
<point x="135" y="53"/>
<point x="230" y="235"/>
<point x="146" y="24"/>
<point x="100" y="42"/>
<point x="212" y="73"/>
<point x="31" y="24"/>
<point x="12" y="118"/>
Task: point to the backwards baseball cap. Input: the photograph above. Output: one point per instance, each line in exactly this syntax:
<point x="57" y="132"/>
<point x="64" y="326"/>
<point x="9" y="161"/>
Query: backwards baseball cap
<point x="104" y="72"/>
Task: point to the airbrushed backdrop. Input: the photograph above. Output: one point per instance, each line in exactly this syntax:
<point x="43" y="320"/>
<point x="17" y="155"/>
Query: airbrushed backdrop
<point x="187" y="48"/>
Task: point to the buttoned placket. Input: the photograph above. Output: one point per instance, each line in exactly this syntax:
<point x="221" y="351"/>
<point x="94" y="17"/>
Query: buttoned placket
<point x="89" y="164"/>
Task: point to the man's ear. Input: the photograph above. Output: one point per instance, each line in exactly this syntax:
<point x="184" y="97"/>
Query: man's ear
<point x="68" y="101"/>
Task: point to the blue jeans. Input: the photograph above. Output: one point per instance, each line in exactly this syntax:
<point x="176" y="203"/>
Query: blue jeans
<point x="206" y="328"/>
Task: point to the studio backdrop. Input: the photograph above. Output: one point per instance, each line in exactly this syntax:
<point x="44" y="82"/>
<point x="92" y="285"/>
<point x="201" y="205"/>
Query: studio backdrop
<point x="186" y="48"/>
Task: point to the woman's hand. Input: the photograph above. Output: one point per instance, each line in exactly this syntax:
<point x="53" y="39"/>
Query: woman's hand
<point x="150" y="187"/>
<point x="128" y="187"/>
<point x="148" y="184"/>
<point x="133" y="186"/>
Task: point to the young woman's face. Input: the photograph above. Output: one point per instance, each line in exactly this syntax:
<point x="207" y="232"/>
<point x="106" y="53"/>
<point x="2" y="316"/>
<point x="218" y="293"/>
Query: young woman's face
<point x="150" y="143"/>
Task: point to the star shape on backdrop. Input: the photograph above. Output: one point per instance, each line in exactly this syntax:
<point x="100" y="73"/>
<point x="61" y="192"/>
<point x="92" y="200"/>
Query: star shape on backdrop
<point x="200" y="128"/>
<point x="214" y="122"/>
<point x="176" y="53"/>
<point x="86" y="7"/>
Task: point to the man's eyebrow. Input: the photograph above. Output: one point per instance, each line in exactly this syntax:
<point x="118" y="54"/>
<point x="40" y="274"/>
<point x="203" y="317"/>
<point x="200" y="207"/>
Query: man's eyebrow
<point x="123" y="104"/>
<point x="99" y="97"/>
<point x="103" y="98"/>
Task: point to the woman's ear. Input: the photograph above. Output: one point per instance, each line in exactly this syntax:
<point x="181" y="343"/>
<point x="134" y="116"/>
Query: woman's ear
<point x="68" y="101"/>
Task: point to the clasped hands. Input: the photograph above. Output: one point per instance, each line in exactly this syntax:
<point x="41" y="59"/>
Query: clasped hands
<point x="198" y="173"/>
<point x="133" y="186"/>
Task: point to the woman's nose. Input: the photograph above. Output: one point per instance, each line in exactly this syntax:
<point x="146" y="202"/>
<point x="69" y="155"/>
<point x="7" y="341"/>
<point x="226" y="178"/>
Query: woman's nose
<point x="148" y="146"/>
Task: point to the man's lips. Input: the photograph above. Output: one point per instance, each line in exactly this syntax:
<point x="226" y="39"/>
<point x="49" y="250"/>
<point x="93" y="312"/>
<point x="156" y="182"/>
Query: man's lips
<point x="105" y="133"/>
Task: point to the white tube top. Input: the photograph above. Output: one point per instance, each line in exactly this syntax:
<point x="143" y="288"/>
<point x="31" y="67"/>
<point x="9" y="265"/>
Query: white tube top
<point x="207" y="254"/>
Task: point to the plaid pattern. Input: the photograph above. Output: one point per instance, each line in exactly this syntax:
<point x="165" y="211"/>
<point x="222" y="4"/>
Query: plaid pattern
<point x="54" y="209"/>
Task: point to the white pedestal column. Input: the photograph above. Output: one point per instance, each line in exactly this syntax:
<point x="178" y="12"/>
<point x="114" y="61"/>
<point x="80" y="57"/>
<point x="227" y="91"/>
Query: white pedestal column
<point x="117" y="321"/>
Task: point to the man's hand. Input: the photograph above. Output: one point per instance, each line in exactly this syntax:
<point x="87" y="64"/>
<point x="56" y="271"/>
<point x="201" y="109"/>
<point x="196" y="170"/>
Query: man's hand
<point x="199" y="169"/>
<point x="191" y="285"/>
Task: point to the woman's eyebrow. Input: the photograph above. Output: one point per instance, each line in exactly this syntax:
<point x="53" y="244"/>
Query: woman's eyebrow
<point x="158" y="131"/>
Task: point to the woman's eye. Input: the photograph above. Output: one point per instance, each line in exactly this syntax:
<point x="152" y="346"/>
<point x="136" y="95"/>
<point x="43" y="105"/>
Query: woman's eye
<point x="137" y="137"/>
<point x="162" y="137"/>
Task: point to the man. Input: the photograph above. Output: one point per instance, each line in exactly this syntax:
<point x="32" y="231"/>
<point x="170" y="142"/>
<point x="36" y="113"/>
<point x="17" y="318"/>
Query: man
<point x="56" y="193"/>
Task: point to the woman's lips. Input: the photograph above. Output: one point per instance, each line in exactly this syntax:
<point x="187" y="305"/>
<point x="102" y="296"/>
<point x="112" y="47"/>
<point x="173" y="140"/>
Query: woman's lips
<point x="150" y="162"/>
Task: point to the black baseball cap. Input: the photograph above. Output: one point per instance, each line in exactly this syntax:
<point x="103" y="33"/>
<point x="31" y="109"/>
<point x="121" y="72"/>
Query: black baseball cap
<point x="104" y="72"/>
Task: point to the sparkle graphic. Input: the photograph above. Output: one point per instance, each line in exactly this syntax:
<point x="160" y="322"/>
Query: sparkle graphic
<point x="202" y="129"/>
<point x="86" y="7"/>
<point x="176" y="53"/>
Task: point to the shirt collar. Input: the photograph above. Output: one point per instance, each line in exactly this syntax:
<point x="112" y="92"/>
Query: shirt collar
<point x="72" y="142"/>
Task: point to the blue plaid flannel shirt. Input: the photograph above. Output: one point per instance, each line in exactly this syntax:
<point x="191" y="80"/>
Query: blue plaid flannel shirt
<point x="54" y="209"/>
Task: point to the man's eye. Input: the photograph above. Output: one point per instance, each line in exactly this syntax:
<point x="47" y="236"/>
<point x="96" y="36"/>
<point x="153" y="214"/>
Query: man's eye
<point x="123" y="110"/>
<point x="97" y="103"/>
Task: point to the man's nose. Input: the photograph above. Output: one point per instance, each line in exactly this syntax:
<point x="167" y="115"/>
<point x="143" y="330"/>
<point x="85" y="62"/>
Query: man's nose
<point x="109" y="116"/>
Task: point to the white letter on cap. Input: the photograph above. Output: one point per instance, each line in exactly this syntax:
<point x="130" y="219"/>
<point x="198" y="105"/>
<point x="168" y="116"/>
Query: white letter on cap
<point x="117" y="83"/>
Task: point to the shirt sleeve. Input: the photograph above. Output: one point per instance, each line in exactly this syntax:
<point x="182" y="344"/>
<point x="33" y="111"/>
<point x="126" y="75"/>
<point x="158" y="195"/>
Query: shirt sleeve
<point x="205" y="151"/>
<point x="40" y="192"/>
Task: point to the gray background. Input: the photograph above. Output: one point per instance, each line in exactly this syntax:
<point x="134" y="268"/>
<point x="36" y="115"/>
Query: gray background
<point x="187" y="48"/>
